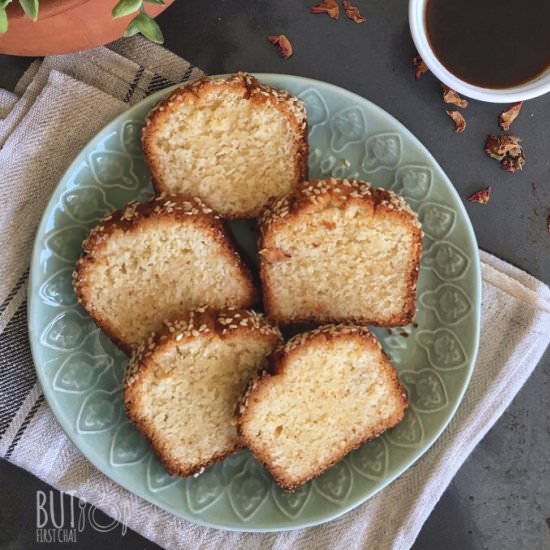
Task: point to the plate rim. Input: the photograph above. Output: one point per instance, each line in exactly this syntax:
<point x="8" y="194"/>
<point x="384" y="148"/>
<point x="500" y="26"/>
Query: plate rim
<point x="32" y="300"/>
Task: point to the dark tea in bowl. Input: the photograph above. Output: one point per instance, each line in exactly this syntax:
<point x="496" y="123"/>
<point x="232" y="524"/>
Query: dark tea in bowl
<point x="491" y="50"/>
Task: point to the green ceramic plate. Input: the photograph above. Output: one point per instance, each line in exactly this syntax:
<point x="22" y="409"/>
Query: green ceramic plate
<point x="81" y="371"/>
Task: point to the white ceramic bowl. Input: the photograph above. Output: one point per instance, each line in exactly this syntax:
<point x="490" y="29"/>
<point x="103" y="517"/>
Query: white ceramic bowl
<point x="529" y="90"/>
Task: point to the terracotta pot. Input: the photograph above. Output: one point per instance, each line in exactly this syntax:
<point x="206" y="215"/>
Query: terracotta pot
<point x="66" y="26"/>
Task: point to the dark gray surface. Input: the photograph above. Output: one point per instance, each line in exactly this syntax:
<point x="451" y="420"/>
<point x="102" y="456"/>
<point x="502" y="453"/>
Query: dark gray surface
<point x="501" y="496"/>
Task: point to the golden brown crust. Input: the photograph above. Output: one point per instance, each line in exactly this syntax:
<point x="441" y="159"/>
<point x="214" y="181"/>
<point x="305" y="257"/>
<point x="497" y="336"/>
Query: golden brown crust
<point x="280" y="360"/>
<point x="250" y="88"/>
<point x="171" y="208"/>
<point x="311" y="196"/>
<point x="201" y="322"/>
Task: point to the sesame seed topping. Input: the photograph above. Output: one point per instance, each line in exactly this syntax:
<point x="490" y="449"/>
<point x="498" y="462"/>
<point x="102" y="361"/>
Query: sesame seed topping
<point x="200" y="322"/>
<point x="316" y="191"/>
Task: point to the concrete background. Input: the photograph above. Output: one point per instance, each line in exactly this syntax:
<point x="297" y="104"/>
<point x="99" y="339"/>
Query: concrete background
<point x="500" y="499"/>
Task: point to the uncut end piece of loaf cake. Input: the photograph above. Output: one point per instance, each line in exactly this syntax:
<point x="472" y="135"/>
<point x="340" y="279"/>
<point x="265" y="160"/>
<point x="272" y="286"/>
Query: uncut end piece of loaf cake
<point x="157" y="259"/>
<point x="232" y="141"/>
<point x="326" y="392"/>
<point x="183" y="384"/>
<point x="339" y="250"/>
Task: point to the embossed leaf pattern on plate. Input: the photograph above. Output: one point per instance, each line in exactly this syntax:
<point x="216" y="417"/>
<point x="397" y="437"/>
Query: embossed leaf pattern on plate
<point x="204" y="490"/>
<point x="382" y="151"/>
<point x="336" y="483"/>
<point x="348" y="127"/>
<point x="330" y="165"/>
<point x="80" y="372"/>
<point x="77" y="363"/>
<point x="234" y="465"/>
<point x="409" y="433"/>
<point x="130" y="136"/>
<point x="249" y="489"/>
<point x="291" y="504"/>
<point x="57" y="290"/>
<point x="129" y="446"/>
<point x="86" y="204"/>
<point x="99" y="412"/>
<point x="446" y="259"/>
<point x="113" y="169"/>
<point x="394" y="346"/>
<point x="67" y="331"/>
<point x="437" y="220"/>
<point x="426" y="390"/>
<point x="316" y="108"/>
<point x="449" y="302"/>
<point x="445" y="351"/>
<point x="158" y="478"/>
<point x="66" y="243"/>
<point x="371" y="459"/>
<point x="413" y="182"/>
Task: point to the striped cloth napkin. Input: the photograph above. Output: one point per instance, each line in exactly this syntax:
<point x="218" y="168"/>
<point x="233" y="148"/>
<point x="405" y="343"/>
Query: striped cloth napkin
<point x="57" y="106"/>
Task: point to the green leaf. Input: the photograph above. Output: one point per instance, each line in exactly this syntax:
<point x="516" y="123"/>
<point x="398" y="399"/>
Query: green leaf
<point x="126" y="7"/>
<point x="30" y="7"/>
<point x="147" y="26"/>
<point x="154" y="1"/>
<point x="3" y="21"/>
<point x="131" y="29"/>
<point x="4" y="4"/>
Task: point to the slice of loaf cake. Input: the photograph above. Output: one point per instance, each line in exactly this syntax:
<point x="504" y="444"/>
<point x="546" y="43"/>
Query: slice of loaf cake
<point x="326" y="392"/>
<point x="183" y="384"/>
<point x="340" y="250"/>
<point x="154" y="260"/>
<point x="232" y="141"/>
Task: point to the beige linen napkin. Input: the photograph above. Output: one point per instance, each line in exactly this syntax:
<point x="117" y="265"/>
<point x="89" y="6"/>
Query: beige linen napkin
<point x="57" y="107"/>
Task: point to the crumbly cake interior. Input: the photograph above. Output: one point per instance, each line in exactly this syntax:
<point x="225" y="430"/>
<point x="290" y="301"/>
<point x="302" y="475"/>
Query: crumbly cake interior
<point x="342" y="263"/>
<point x="189" y="397"/>
<point x="230" y="151"/>
<point x="328" y="398"/>
<point x="159" y="270"/>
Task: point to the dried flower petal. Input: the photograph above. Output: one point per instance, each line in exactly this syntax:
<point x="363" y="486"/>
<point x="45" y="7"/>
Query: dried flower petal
<point x="452" y="97"/>
<point x="458" y="119"/>
<point x="285" y="47"/>
<point x="513" y="164"/>
<point x="507" y="150"/>
<point x="498" y="147"/>
<point x="353" y="12"/>
<point x="506" y="118"/>
<point x="419" y="67"/>
<point x="482" y="196"/>
<point x="273" y="254"/>
<point x="329" y="7"/>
